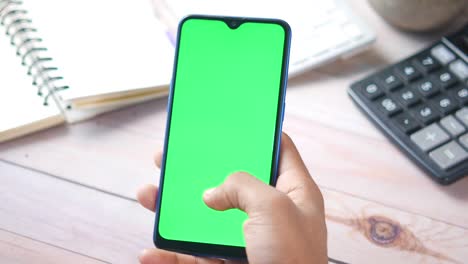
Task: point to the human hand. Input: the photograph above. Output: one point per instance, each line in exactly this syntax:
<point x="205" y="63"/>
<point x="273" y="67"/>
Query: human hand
<point x="285" y="224"/>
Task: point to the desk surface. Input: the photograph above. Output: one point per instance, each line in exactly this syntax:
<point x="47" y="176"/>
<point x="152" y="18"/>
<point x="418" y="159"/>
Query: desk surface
<point x="68" y="193"/>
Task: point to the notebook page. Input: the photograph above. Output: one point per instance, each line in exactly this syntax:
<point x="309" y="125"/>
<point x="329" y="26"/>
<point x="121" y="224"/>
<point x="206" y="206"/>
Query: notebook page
<point x="301" y="15"/>
<point x="103" y="46"/>
<point x="19" y="103"/>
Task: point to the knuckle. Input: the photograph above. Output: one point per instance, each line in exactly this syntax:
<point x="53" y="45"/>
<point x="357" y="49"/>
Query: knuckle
<point x="229" y="190"/>
<point x="313" y="193"/>
<point x="229" y="197"/>
<point x="280" y="200"/>
<point x="236" y="178"/>
<point x="230" y="180"/>
<point x="317" y="197"/>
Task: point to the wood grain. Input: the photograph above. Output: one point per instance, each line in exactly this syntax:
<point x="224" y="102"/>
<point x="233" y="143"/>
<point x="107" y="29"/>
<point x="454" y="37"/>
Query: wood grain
<point x="361" y="231"/>
<point x="72" y="217"/>
<point x="111" y="154"/>
<point x="77" y="200"/>
<point x="22" y="250"/>
<point x="342" y="149"/>
<point x="113" y="229"/>
<point x="376" y="170"/>
<point x="114" y="153"/>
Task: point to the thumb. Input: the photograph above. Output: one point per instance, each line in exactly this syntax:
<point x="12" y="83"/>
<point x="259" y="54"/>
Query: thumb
<point x="245" y="192"/>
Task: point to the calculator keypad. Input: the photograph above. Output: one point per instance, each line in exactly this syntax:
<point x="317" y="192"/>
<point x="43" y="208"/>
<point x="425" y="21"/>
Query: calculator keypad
<point x="425" y="113"/>
<point x="445" y="103"/>
<point x="408" y="97"/>
<point x="442" y="53"/>
<point x="453" y="126"/>
<point x="445" y="79"/>
<point x="460" y="69"/>
<point x="427" y="63"/>
<point x="449" y="155"/>
<point x="464" y="140"/>
<point x="390" y="81"/>
<point x="408" y="72"/>
<point x="388" y="106"/>
<point x="372" y="91"/>
<point x="427" y="87"/>
<point x="422" y="102"/>
<point x="461" y="94"/>
<point x="406" y="123"/>
<point x="462" y="115"/>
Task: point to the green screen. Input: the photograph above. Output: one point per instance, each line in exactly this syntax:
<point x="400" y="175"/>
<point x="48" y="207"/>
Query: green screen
<point x="224" y="113"/>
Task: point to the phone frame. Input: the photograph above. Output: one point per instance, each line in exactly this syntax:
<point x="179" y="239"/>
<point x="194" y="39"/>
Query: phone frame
<point x="204" y="249"/>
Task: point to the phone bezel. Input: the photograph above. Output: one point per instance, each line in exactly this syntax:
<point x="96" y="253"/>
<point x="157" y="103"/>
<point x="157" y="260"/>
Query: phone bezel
<point x="204" y="249"/>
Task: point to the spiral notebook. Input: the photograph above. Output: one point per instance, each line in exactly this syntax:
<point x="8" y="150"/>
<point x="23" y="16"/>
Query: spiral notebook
<point x="66" y="61"/>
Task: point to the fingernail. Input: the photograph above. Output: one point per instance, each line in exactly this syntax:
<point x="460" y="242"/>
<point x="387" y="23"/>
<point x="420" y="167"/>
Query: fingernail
<point x="208" y="193"/>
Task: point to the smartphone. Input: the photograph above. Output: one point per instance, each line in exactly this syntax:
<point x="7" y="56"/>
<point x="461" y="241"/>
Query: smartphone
<point x="225" y="114"/>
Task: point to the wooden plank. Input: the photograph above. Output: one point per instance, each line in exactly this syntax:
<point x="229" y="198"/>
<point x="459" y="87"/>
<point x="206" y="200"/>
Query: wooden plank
<point x="341" y="148"/>
<point x="111" y="154"/>
<point x="72" y="217"/>
<point x="114" y="153"/>
<point x="19" y="249"/>
<point x="375" y="170"/>
<point x="361" y="231"/>
<point x="114" y="229"/>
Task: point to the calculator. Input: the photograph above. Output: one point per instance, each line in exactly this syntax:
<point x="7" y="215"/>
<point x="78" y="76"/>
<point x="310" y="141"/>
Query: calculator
<point x="421" y="105"/>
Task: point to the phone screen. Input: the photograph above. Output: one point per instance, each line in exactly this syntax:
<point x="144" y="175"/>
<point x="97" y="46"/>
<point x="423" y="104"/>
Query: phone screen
<point x="225" y="113"/>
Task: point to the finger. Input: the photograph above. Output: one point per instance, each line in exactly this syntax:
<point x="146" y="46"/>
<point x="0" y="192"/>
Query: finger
<point x="294" y="178"/>
<point x="290" y="159"/>
<point x="146" y="196"/>
<point x="243" y="191"/>
<point x="154" y="255"/>
<point x="158" y="158"/>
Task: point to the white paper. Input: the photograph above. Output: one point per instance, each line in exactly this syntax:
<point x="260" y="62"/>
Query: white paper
<point x="103" y="46"/>
<point x="19" y="103"/>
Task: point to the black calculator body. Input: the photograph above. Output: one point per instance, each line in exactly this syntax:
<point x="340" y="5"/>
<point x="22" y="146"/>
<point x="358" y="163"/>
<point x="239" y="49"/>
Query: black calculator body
<point x="421" y="105"/>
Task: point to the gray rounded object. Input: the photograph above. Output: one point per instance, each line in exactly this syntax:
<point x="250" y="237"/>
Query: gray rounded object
<point x="419" y="15"/>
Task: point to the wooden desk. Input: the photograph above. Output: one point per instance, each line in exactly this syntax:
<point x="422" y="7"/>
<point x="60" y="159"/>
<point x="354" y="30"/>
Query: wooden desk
<point x="68" y="193"/>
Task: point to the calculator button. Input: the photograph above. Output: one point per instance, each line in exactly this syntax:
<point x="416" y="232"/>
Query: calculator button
<point x="427" y="87"/>
<point x="427" y="63"/>
<point x="460" y="69"/>
<point x="448" y="155"/>
<point x="443" y="54"/>
<point x="371" y="90"/>
<point x="406" y="123"/>
<point x="408" y="97"/>
<point x="390" y="81"/>
<point x="452" y="125"/>
<point x="425" y="113"/>
<point x="445" y="79"/>
<point x="461" y="94"/>
<point x="462" y="115"/>
<point x="464" y="140"/>
<point x="445" y="103"/>
<point x="389" y="106"/>
<point x="429" y="137"/>
<point x="408" y="72"/>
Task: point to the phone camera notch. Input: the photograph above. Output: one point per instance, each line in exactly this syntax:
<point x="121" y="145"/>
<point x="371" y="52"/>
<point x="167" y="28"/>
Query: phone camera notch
<point x="233" y="23"/>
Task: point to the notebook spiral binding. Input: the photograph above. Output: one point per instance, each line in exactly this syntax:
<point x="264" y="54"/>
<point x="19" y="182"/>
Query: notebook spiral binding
<point x="19" y="28"/>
